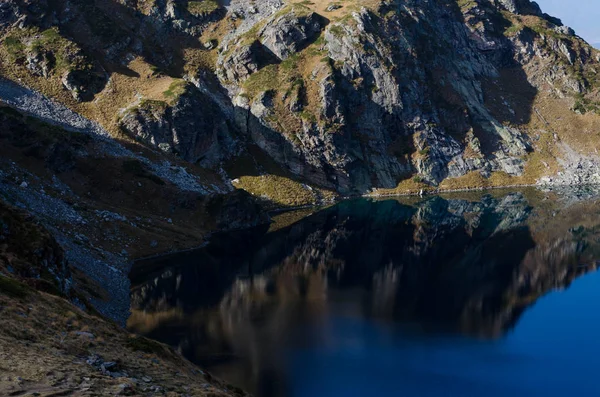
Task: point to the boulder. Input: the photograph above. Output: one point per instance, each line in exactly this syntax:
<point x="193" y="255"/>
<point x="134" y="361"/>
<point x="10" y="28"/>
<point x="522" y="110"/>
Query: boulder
<point x="84" y="84"/>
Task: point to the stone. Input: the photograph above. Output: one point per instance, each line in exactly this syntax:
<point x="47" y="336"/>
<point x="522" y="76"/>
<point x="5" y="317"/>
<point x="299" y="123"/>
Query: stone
<point x="203" y="137"/>
<point x="85" y="334"/>
<point x="40" y="63"/>
<point x="83" y="85"/>
<point x="288" y="33"/>
<point x="210" y="45"/>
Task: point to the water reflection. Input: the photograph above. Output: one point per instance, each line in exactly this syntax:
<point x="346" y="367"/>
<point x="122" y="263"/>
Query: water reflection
<point x="467" y="265"/>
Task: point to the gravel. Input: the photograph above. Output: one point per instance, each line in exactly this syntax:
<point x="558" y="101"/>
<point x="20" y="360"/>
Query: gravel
<point x="109" y="271"/>
<point x="577" y="169"/>
<point x="36" y="104"/>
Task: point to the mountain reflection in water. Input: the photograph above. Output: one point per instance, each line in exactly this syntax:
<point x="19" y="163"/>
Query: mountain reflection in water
<point x="369" y="283"/>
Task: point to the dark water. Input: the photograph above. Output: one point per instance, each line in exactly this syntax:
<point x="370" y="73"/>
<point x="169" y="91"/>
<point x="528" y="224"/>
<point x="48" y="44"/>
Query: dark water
<point x="477" y="295"/>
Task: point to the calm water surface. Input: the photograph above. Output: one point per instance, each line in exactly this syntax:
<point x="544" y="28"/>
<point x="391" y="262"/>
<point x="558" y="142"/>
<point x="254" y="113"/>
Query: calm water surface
<point x="469" y="295"/>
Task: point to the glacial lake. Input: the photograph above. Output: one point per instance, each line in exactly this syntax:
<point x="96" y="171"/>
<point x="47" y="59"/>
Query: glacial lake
<point x="479" y="294"/>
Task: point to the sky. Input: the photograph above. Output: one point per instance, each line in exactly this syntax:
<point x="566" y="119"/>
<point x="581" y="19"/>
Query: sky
<point x="581" y="15"/>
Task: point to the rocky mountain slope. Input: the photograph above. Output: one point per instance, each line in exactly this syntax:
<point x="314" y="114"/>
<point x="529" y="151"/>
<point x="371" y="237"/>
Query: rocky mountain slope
<point x="49" y="347"/>
<point x="347" y="97"/>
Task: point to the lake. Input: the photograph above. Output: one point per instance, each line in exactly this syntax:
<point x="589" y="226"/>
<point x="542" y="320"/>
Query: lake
<point x="485" y="293"/>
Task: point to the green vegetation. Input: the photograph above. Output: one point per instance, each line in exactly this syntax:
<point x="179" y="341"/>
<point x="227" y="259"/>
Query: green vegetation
<point x="466" y="5"/>
<point x="584" y="105"/>
<point x="175" y="90"/>
<point x="265" y="79"/>
<point x="203" y="7"/>
<point x="336" y="30"/>
<point x="152" y="104"/>
<point x="14" y="47"/>
<point x="139" y="343"/>
<point x="61" y="53"/>
<point x="281" y="192"/>
<point x="13" y="288"/>
<point x="513" y="30"/>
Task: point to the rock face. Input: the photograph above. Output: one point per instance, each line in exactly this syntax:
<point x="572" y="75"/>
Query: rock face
<point x="192" y="127"/>
<point x="83" y="84"/>
<point x="385" y="95"/>
<point x="289" y="33"/>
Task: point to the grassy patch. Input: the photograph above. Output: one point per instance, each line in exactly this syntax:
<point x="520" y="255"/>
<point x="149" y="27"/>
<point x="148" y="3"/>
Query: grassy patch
<point x="281" y="191"/>
<point x="175" y="90"/>
<point x="14" y="47"/>
<point x="203" y="7"/>
<point x="139" y="343"/>
<point x="67" y="55"/>
<point x="513" y="30"/>
<point x="13" y="288"/>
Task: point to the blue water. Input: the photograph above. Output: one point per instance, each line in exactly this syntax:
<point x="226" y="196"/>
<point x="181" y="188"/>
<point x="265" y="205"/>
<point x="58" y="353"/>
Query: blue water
<point x="554" y="351"/>
<point x="495" y="295"/>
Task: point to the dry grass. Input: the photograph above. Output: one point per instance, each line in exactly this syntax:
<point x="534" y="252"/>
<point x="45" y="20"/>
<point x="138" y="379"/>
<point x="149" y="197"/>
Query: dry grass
<point x="408" y="186"/>
<point x="281" y="191"/>
<point x="45" y="340"/>
<point x="347" y="6"/>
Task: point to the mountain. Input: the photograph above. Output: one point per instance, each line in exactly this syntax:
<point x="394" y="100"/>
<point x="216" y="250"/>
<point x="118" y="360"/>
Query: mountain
<point x="352" y="97"/>
<point x="152" y="117"/>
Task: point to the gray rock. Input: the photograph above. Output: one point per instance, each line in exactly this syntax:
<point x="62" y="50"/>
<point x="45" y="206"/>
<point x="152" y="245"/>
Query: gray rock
<point x="40" y="63"/>
<point x="197" y="136"/>
<point x="83" y="84"/>
<point x="288" y="33"/>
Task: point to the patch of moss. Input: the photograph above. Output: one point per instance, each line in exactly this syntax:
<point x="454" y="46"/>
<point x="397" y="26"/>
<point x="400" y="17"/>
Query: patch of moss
<point x="14" y="47"/>
<point x="65" y="54"/>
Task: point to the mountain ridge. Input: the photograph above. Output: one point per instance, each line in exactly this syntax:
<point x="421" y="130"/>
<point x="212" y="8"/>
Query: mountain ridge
<point x="347" y="97"/>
